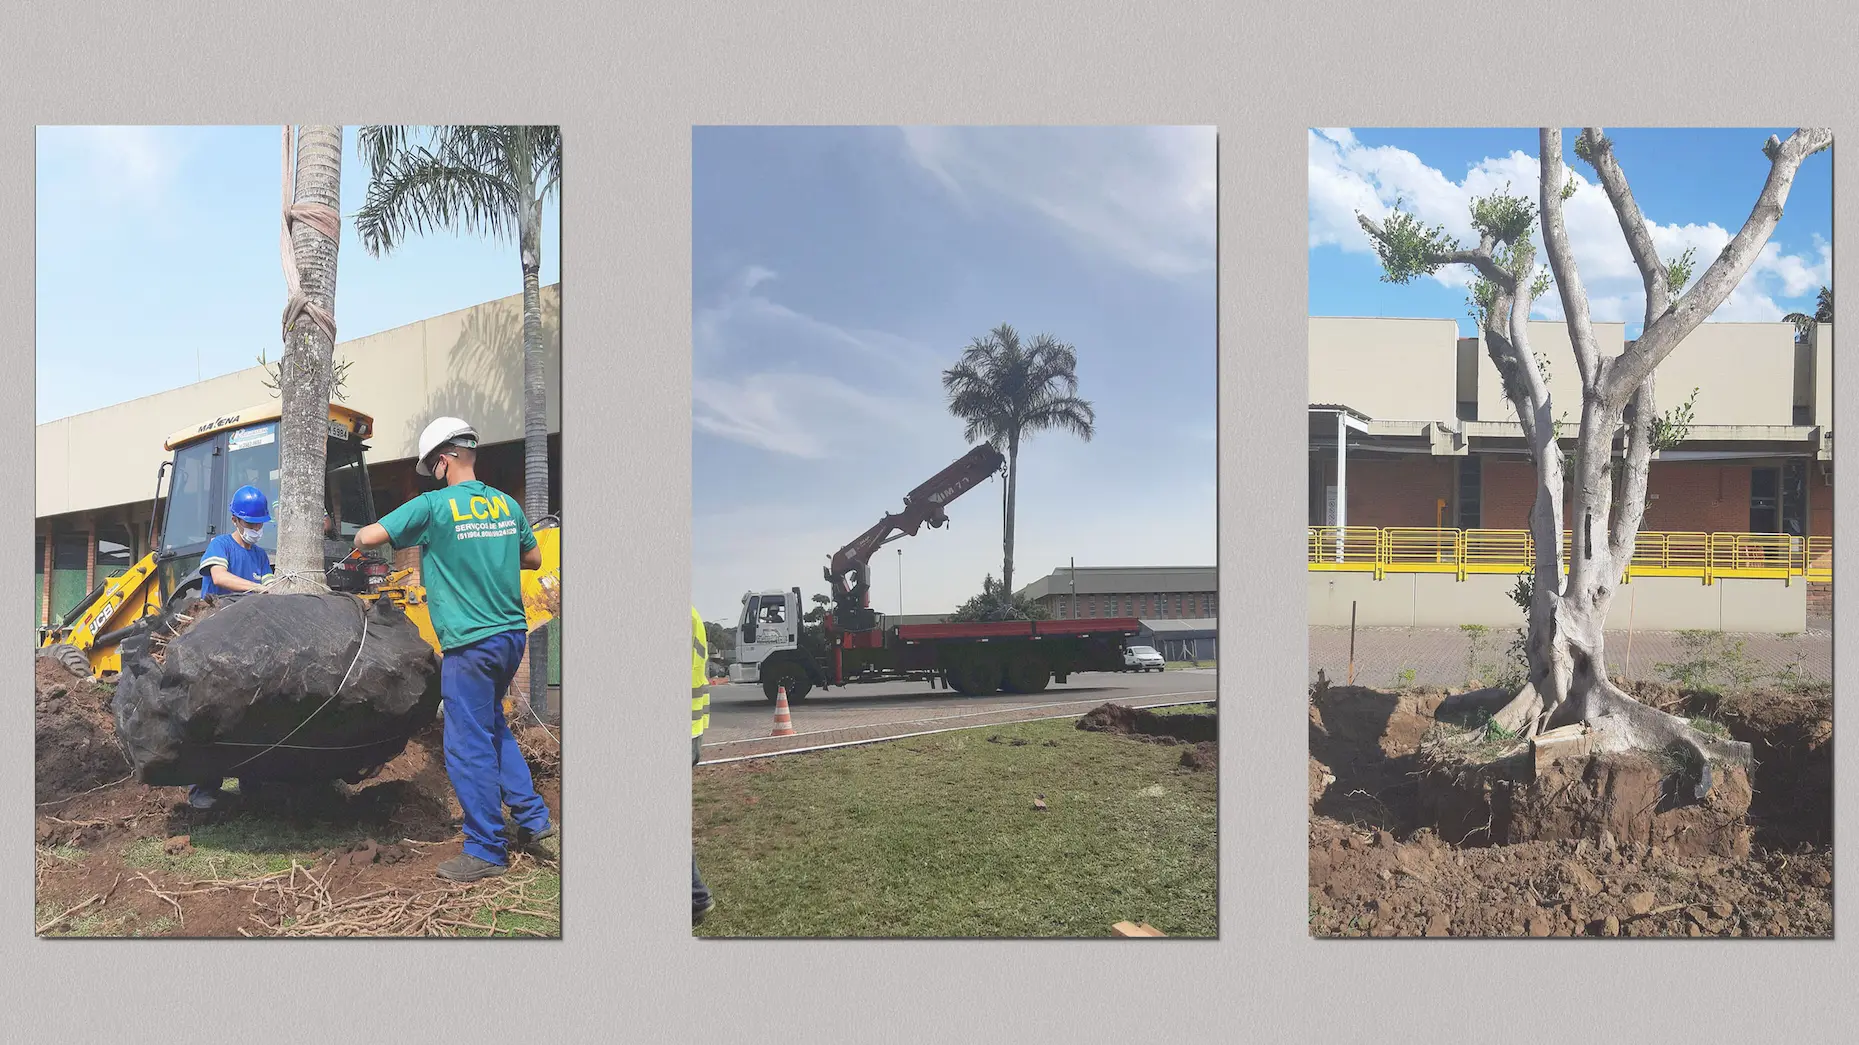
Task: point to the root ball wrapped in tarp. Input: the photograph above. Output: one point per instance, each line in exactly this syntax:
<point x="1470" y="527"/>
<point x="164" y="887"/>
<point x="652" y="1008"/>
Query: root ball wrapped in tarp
<point x="271" y="686"/>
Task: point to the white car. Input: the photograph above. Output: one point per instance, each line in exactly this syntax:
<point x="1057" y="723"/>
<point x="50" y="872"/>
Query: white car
<point x="1142" y="658"/>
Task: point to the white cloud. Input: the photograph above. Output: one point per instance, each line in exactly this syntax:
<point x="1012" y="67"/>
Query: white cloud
<point x="801" y="406"/>
<point x="133" y="165"/>
<point x="1142" y="195"/>
<point x="1347" y="177"/>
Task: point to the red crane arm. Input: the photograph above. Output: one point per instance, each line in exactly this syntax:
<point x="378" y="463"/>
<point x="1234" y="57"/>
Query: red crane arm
<point x="925" y="504"/>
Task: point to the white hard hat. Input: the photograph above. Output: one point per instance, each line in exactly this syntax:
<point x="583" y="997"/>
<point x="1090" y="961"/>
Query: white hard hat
<point x="442" y="431"/>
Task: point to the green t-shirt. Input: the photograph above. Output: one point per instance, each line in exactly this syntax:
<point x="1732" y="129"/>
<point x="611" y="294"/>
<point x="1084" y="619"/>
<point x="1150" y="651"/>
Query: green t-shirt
<point x="472" y="539"/>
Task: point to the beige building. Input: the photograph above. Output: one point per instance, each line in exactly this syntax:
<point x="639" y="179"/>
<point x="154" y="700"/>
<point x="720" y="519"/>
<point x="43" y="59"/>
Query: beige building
<point x="96" y="471"/>
<point x="1148" y="592"/>
<point x="1410" y="432"/>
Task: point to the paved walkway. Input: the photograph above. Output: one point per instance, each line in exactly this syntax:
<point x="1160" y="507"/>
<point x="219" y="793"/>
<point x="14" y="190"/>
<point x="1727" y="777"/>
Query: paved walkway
<point x="1444" y="656"/>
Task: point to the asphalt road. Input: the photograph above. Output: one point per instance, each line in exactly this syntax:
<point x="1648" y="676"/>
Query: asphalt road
<point x="741" y="718"/>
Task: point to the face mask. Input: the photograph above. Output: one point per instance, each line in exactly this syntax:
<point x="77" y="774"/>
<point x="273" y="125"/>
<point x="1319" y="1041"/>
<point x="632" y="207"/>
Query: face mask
<point x="247" y="535"/>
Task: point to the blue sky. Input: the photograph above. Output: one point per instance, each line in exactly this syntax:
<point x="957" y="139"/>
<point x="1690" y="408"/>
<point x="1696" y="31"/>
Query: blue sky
<point x="837" y="271"/>
<point x="1695" y="188"/>
<point x="158" y="261"/>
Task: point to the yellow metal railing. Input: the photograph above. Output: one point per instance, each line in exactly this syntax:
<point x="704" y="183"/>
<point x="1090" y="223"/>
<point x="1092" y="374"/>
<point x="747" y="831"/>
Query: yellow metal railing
<point x="1705" y="556"/>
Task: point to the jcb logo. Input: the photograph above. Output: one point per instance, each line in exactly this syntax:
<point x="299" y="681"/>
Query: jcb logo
<point x="480" y="508"/>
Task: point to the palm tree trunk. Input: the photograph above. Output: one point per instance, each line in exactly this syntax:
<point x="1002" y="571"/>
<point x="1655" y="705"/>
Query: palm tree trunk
<point x="1013" y="484"/>
<point x="535" y="402"/>
<point x="305" y="371"/>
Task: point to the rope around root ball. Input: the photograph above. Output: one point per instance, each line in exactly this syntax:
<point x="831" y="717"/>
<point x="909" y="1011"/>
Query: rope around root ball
<point x="363" y="607"/>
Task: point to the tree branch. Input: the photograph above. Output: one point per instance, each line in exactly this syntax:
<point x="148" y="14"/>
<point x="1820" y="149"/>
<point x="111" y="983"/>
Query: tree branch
<point x="1664" y="334"/>
<point x="1631" y="510"/>
<point x="1632" y="222"/>
<point x="1480" y="258"/>
<point x="1562" y="260"/>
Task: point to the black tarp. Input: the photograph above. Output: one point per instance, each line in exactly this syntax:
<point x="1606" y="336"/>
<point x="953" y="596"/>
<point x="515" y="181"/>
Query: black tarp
<point x="268" y="686"/>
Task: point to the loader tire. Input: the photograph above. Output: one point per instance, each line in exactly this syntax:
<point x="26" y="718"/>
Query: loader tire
<point x="70" y="656"/>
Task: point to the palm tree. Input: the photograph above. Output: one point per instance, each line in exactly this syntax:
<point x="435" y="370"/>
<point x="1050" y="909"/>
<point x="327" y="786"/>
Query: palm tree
<point x="1823" y="313"/>
<point x="313" y="226"/>
<point x="1005" y="391"/>
<point x="483" y="180"/>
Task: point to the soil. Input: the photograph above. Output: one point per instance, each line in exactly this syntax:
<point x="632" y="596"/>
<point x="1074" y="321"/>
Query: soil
<point x="1591" y="847"/>
<point x="1115" y="718"/>
<point x="1198" y="733"/>
<point x="405" y="819"/>
<point x="73" y="733"/>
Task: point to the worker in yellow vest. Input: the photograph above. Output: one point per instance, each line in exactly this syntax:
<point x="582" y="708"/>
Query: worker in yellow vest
<point x="701" y="900"/>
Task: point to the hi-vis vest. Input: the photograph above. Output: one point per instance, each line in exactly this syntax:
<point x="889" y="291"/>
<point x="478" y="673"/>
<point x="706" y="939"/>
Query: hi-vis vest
<point x="700" y="677"/>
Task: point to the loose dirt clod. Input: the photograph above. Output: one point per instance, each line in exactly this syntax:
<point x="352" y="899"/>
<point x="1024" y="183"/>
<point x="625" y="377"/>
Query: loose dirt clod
<point x="1140" y="722"/>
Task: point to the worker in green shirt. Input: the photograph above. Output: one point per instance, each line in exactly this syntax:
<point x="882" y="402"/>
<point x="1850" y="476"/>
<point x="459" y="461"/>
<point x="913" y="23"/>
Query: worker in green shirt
<point x="474" y="543"/>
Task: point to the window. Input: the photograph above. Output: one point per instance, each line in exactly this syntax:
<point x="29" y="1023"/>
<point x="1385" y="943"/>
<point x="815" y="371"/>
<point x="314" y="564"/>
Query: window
<point x="1471" y="491"/>
<point x="1794" y="498"/>
<point x="1765" y="500"/>
<point x="1177" y="605"/>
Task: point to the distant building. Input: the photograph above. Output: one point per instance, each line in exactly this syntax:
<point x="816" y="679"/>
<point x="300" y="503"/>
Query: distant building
<point x="1148" y="592"/>
<point x="1417" y="461"/>
<point x="1196" y="638"/>
<point x="96" y="470"/>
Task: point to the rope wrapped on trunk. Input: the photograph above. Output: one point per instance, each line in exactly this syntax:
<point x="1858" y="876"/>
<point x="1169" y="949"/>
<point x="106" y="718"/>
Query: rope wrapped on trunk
<point x="323" y="219"/>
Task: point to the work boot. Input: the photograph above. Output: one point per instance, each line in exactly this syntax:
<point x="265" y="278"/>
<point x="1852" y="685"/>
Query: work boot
<point x="467" y="868"/>
<point x="526" y="838"/>
<point x="699" y="911"/>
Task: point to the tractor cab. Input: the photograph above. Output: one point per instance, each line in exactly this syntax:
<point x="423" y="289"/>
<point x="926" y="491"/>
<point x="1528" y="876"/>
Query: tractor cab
<point x="212" y="460"/>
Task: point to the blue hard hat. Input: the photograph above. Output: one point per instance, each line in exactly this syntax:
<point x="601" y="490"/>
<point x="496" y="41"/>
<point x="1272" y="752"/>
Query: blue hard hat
<point x="249" y="505"/>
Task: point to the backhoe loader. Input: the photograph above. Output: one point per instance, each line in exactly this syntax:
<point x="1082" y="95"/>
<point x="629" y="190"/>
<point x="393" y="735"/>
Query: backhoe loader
<point x="208" y="462"/>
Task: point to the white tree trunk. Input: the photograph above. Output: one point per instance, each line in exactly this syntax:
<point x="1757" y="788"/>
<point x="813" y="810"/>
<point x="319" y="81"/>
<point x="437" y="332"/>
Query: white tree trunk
<point x="305" y="372"/>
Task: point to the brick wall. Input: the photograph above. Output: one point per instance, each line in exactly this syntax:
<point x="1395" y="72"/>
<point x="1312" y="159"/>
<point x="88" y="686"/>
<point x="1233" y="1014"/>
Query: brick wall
<point x="1147" y="605"/>
<point x="1394" y="491"/>
<point x="1687" y="496"/>
<point x="1698" y="496"/>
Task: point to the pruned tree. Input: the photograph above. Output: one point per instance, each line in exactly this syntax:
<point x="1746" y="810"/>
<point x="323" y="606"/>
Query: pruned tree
<point x="1568" y="601"/>
<point x="312" y="233"/>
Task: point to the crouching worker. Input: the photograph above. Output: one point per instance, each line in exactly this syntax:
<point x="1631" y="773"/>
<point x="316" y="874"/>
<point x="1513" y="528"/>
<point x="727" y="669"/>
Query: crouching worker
<point x="233" y="563"/>
<point x="474" y="543"/>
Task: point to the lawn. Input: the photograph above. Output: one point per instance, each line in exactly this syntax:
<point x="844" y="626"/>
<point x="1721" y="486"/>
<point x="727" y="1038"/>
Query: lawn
<point x="938" y="836"/>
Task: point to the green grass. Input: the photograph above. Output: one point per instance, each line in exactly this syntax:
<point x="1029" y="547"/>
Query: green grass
<point x="541" y="891"/>
<point x="937" y="836"/>
<point x="244" y="846"/>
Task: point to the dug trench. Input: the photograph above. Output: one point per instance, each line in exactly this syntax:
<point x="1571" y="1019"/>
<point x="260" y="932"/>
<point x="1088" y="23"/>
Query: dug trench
<point x="1406" y="840"/>
<point x="1198" y="732"/>
<point x="117" y="857"/>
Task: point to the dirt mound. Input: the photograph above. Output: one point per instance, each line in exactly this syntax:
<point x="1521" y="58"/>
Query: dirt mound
<point x="274" y="687"/>
<point x="1202" y="756"/>
<point x="74" y="734"/>
<point x="1139" y="722"/>
<point x="1605" y="799"/>
<point x="1611" y="845"/>
<point x="1370" y="884"/>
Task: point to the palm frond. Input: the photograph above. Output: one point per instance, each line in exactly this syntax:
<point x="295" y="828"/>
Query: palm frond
<point x="417" y="191"/>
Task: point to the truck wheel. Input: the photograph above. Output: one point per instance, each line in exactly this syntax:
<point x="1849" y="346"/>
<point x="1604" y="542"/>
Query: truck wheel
<point x="975" y="678"/>
<point x="793" y="676"/>
<point x="70" y="657"/>
<point x="1027" y="674"/>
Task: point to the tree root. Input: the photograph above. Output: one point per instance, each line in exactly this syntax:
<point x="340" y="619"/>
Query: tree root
<point x="1621" y="723"/>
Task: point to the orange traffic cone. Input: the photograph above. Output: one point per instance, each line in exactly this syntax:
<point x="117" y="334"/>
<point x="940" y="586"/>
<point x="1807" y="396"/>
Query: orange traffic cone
<point x="784" y="726"/>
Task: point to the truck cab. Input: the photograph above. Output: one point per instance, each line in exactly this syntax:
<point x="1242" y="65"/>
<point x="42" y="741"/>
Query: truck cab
<point x="770" y="624"/>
